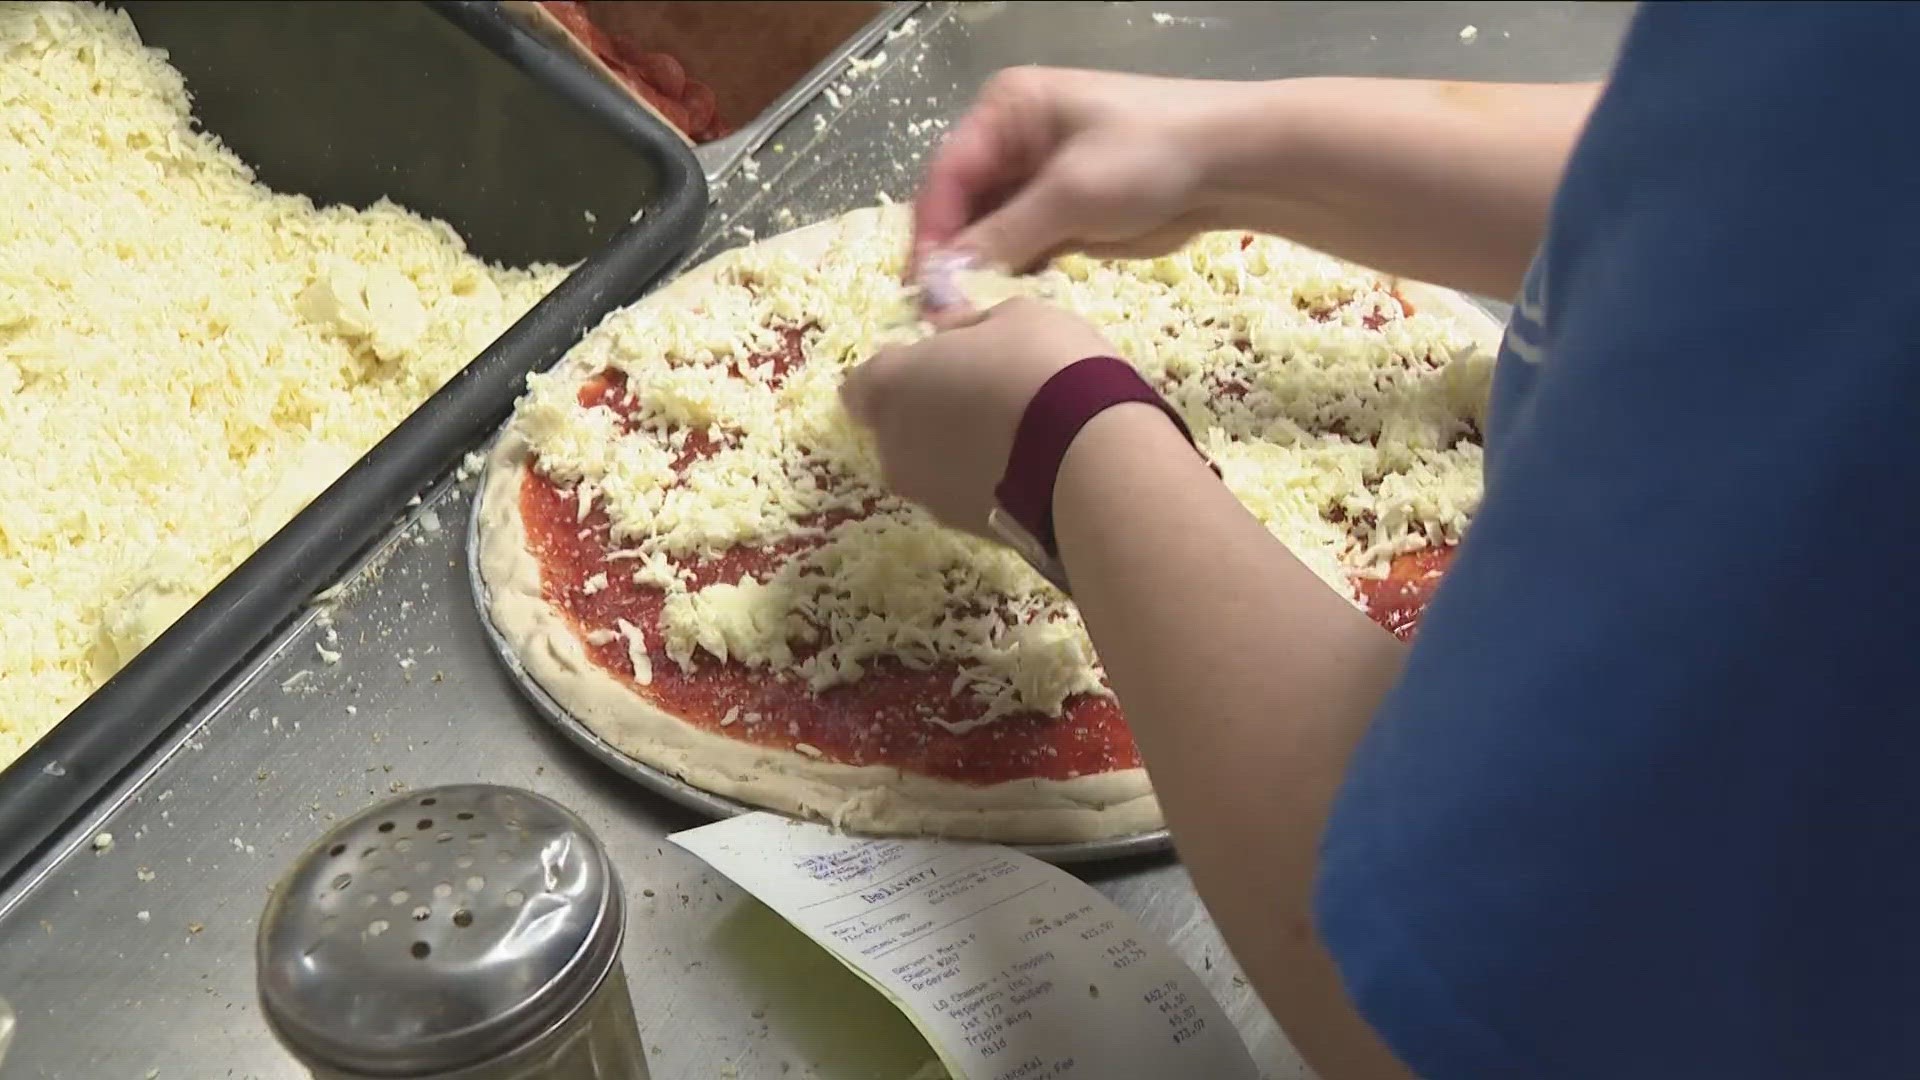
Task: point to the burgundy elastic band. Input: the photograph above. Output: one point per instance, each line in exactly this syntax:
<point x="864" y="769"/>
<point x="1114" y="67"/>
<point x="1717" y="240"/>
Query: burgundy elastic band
<point x="1064" y="404"/>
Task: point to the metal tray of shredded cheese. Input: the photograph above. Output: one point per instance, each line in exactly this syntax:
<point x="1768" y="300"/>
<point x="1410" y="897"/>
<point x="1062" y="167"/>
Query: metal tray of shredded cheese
<point x="671" y="787"/>
<point x="453" y="111"/>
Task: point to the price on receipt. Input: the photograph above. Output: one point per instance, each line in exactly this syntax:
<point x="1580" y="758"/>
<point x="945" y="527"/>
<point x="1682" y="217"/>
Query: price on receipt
<point x="1013" y="969"/>
<point x="1125" y="954"/>
<point x="1181" y="1012"/>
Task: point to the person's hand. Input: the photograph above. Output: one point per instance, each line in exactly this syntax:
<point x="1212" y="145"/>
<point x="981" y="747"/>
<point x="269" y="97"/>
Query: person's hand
<point x="1050" y="161"/>
<point x="944" y="410"/>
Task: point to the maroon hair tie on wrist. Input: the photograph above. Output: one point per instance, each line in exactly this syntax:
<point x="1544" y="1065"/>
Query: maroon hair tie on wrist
<point x="1064" y="404"/>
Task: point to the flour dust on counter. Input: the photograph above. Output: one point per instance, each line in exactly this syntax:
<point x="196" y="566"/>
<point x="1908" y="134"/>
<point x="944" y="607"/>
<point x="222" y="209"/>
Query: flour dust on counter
<point x="186" y="357"/>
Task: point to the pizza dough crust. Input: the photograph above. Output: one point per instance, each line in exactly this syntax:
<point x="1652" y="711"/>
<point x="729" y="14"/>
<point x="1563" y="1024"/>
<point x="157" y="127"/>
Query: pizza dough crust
<point x="869" y="798"/>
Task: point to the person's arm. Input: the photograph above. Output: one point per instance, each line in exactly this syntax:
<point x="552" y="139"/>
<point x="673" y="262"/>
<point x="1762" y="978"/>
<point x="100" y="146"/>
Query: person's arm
<point x="1246" y="680"/>
<point x="1441" y="181"/>
<point x="1446" y="182"/>
<point x="1247" y="683"/>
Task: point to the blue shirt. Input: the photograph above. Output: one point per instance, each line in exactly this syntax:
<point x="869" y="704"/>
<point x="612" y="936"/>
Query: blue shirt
<point x="1646" y="800"/>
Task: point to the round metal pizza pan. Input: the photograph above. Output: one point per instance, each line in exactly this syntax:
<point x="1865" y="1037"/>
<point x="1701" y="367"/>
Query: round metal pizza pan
<point x="672" y="787"/>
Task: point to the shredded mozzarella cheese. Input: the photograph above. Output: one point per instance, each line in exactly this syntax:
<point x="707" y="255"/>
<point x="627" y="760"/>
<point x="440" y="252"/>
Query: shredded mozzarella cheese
<point x="1345" y="424"/>
<point x="637" y="652"/>
<point x="186" y="358"/>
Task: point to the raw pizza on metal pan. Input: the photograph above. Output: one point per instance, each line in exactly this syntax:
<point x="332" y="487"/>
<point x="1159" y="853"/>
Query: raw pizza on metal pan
<point x="688" y="545"/>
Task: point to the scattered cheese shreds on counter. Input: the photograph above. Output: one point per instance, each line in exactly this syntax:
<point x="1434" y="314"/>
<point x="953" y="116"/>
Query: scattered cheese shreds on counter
<point x="1347" y="425"/>
<point x="186" y="358"/>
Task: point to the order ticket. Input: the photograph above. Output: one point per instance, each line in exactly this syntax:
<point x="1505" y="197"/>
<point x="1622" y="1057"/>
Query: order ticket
<point x="1011" y="968"/>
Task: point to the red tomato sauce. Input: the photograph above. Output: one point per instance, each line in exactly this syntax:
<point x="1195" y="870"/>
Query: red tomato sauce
<point x="877" y="720"/>
<point x="1398" y="600"/>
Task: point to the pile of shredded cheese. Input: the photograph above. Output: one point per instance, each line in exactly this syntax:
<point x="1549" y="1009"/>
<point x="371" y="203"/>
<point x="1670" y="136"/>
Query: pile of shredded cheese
<point x="1351" y="444"/>
<point x="186" y="358"/>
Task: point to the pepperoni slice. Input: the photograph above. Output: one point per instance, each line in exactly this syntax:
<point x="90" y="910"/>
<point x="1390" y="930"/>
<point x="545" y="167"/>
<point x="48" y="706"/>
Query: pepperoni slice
<point x="702" y="109"/>
<point x="663" y="71"/>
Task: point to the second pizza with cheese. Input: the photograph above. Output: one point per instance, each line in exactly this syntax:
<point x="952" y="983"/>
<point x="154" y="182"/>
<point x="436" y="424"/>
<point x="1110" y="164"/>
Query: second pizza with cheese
<point x="689" y="545"/>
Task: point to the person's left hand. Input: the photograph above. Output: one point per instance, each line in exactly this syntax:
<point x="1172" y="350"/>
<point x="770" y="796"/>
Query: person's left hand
<point x="944" y="410"/>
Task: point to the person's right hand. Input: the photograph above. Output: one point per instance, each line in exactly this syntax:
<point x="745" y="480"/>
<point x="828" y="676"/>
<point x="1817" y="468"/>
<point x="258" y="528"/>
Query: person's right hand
<point x="1050" y="161"/>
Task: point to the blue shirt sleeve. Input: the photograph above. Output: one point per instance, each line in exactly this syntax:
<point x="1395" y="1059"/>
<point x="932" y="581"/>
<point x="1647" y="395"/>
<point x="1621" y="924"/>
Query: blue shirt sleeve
<point x="1646" y="800"/>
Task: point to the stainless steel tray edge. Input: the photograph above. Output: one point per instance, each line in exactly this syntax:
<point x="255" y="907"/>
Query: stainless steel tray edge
<point x="82" y="829"/>
<point x="722" y="156"/>
<point x="57" y="781"/>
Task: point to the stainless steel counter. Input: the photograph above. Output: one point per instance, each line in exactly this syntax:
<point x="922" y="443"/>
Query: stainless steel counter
<point x="134" y="959"/>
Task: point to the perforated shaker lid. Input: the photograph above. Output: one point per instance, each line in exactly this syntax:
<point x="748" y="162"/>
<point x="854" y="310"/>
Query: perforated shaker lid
<point x="438" y="931"/>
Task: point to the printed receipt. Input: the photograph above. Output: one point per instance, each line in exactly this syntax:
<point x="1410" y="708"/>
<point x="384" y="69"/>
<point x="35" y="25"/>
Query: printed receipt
<point x="1012" y="969"/>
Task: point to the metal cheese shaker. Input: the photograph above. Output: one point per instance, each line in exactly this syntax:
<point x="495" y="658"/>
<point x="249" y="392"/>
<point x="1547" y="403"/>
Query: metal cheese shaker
<point x="459" y="933"/>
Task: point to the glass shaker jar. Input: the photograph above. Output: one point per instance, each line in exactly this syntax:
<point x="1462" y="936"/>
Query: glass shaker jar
<point x="460" y="933"/>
